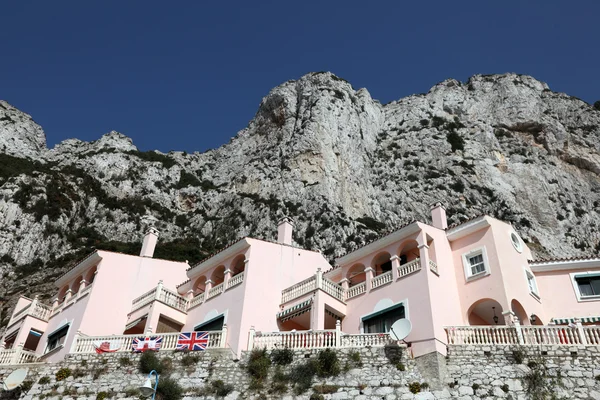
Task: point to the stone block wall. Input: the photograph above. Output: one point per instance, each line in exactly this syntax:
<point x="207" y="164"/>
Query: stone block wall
<point x="471" y="373"/>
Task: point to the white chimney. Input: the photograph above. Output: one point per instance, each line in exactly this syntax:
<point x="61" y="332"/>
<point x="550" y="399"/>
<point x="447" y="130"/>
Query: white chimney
<point x="284" y="231"/>
<point x="149" y="243"/>
<point x="438" y="216"/>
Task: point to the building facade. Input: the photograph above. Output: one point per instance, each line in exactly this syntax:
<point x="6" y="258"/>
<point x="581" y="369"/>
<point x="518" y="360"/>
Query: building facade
<point x="254" y="292"/>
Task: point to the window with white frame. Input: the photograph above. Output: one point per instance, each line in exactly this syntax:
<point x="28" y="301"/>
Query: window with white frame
<point x="475" y="263"/>
<point x="532" y="283"/>
<point x="587" y="285"/>
<point x="516" y="242"/>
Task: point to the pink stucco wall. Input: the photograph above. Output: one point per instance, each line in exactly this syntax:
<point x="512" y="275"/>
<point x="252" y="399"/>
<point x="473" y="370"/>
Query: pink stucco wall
<point x="270" y="268"/>
<point x="559" y="296"/>
<point x="119" y="279"/>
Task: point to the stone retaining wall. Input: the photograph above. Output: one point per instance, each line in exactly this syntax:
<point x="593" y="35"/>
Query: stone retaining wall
<point x="473" y="372"/>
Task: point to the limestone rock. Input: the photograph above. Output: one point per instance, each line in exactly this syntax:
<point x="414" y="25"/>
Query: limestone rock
<point x="345" y="167"/>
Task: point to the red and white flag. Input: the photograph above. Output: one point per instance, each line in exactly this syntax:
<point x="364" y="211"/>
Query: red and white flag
<point x="144" y="343"/>
<point x="107" y="346"/>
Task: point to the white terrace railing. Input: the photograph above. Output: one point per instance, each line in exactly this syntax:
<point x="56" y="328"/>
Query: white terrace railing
<point x="34" y="309"/>
<point x="382" y="279"/>
<point x="524" y="335"/>
<point x="355" y="290"/>
<point x="215" y="290"/>
<point x="329" y="338"/>
<point x="409" y="268"/>
<point x="235" y="280"/>
<point x="88" y="344"/>
<point x="318" y="281"/>
<point x="18" y="355"/>
<point x="159" y="293"/>
<point x="197" y="300"/>
<point x="299" y="289"/>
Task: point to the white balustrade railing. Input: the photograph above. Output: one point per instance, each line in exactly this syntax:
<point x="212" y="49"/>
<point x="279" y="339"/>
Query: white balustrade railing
<point x="144" y="299"/>
<point x="333" y="289"/>
<point x="173" y="299"/>
<point x="215" y="290"/>
<point x="197" y="300"/>
<point x="299" y="289"/>
<point x="482" y="335"/>
<point x="382" y="279"/>
<point x="592" y="335"/>
<point x="315" y="339"/>
<point x="365" y="339"/>
<point x="235" y="280"/>
<point x="34" y="309"/>
<point x="356" y="290"/>
<point x="409" y="268"/>
<point x="87" y="344"/>
<point x="525" y="335"/>
<point x="433" y="267"/>
<point x="550" y="335"/>
<point x="295" y="340"/>
<point x="16" y="356"/>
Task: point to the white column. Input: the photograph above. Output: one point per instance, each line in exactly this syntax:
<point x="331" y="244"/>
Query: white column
<point x="189" y="295"/>
<point x="226" y="276"/>
<point x="82" y="285"/>
<point x="68" y="295"/>
<point x="74" y="344"/>
<point x="395" y="265"/>
<point x="158" y="290"/>
<point x="580" y="331"/>
<point x="338" y="333"/>
<point x="207" y="287"/>
<point x="17" y="355"/>
<point x="369" y="272"/>
<point x="223" y="342"/>
<point x="251" y="338"/>
<point x="319" y="278"/>
<point x="424" y="255"/>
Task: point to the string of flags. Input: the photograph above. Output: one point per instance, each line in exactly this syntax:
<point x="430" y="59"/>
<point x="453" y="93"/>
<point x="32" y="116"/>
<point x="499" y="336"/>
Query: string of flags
<point x="192" y="341"/>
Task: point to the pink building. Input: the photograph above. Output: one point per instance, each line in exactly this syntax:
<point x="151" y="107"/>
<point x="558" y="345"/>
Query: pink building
<point x="473" y="282"/>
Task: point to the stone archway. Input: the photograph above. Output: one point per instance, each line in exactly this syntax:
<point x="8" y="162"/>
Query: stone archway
<point x="520" y="312"/>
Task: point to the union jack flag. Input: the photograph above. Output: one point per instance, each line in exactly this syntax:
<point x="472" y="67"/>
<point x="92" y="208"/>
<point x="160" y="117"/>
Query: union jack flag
<point x="192" y="341"/>
<point x="144" y="343"/>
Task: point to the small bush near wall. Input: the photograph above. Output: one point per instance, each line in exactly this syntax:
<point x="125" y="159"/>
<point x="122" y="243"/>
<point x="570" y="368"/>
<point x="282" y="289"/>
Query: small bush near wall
<point x="169" y="389"/>
<point x="258" y="368"/>
<point x="328" y="364"/>
<point x="283" y="356"/>
<point x="414" y="387"/>
<point x="189" y="360"/>
<point x="149" y="361"/>
<point x="302" y="376"/>
<point x="62" y="373"/>
<point x="44" y="380"/>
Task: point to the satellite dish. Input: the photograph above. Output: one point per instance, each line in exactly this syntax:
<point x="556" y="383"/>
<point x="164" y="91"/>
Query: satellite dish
<point x="400" y="329"/>
<point x="14" y="379"/>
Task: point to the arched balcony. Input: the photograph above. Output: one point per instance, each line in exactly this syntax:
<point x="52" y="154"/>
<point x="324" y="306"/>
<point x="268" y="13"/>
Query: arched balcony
<point x="238" y="265"/>
<point x="381" y="263"/>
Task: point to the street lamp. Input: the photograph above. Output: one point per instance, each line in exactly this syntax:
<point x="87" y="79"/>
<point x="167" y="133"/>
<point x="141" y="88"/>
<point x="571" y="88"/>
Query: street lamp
<point x="533" y="319"/>
<point x="147" y="388"/>
<point x="495" y="316"/>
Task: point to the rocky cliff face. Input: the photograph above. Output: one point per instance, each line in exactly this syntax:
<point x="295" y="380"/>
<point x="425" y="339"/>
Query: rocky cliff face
<point x="344" y="166"/>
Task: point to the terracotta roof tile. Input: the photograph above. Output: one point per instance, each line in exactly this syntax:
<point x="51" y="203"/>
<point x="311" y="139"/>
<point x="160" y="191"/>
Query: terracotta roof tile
<point x="465" y="221"/>
<point x="382" y="235"/>
<point x="564" y="259"/>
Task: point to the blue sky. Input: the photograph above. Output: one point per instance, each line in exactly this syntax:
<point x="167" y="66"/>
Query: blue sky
<point x="186" y="75"/>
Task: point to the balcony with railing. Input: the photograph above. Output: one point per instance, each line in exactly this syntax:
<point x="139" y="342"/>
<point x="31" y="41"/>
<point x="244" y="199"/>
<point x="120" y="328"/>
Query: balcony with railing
<point x="162" y="295"/>
<point x="577" y="335"/>
<point x="345" y="293"/>
<point x="315" y="339"/>
<point x="310" y="285"/>
<point x="83" y="344"/>
<point x="33" y="309"/>
<point x="17" y="356"/>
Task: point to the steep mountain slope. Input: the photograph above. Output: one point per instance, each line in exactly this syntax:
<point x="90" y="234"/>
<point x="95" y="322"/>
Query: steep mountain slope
<point x="344" y="166"/>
